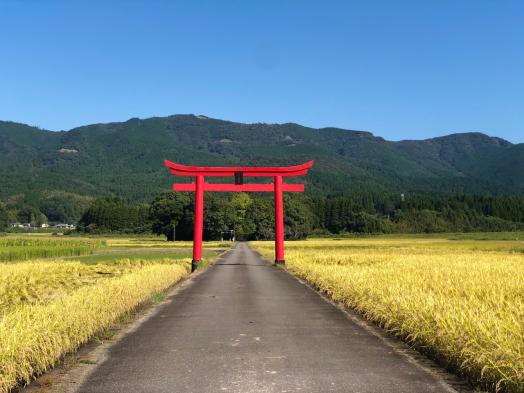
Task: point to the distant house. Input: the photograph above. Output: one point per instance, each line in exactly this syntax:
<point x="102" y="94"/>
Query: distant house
<point x="23" y="226"/>
<point x="65" y="226"/>
<point x="44" y="225"/>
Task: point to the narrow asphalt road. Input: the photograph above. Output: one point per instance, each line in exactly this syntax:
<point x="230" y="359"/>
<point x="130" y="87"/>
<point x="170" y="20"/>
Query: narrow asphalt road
<point x="246" y="326"/>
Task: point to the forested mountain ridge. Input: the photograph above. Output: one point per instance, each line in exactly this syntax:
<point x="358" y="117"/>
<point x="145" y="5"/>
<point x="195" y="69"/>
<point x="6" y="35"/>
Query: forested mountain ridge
<point x="125" y="159"/>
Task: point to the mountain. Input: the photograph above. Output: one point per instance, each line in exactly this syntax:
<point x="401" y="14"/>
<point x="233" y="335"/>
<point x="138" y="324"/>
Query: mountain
<point x="126" y="159"/>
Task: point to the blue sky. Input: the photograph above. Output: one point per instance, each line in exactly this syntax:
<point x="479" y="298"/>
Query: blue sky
<point x="400" y="69"/>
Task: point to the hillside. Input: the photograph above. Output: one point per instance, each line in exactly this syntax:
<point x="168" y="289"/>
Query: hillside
<point x="125" y="159"/>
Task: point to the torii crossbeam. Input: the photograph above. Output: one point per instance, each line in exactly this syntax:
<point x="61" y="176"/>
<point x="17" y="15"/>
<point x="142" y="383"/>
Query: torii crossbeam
<point x="278" y="187"/>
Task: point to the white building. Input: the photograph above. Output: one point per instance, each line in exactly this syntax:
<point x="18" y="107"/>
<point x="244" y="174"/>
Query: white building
<point x="65" y="226"/>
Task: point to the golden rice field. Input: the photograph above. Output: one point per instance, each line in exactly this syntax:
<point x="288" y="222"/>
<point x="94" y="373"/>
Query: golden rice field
<point x="49" y="307"/>
<point x="461" y="302"/>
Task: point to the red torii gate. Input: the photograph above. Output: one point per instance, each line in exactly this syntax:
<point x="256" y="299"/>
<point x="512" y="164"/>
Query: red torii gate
<point x="278" y="187"/>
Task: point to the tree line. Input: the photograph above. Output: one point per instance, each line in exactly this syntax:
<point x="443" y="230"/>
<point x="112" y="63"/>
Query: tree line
<point x="30" y="208"/>
<point x="171" y="214"/>
<point x="251" y="216"/>
<point x="367" y="212"/>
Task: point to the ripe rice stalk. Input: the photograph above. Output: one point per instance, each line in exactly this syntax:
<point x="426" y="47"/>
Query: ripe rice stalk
<point x="37" y="329"/>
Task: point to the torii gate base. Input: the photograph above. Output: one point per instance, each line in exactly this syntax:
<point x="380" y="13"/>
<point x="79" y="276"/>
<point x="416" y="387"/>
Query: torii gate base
<point x="278" y="187"/>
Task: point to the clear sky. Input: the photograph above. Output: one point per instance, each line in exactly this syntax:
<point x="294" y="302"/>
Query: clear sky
<point x="400" y="69"/>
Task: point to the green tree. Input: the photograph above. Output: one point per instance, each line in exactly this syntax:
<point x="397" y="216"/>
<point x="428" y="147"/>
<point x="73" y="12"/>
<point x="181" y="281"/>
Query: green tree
<point x="113" y="215"/>
<point x="64" y="208"/>
<point x="260" y="219"/>
<point x="4" y="218"/>
<point x="167" y="211"/>
<point x="363" y="222"/>
<point x="31" y="215"/>
<point x="239" y="204"/>
<point x="217" y="216"/>
<point x="298" y="217"/>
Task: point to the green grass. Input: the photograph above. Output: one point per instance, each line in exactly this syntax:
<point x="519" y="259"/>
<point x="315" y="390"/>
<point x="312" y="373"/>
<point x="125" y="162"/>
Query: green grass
<point x="113" y="255"/>
<point x="158" y="297"/>
<point x="25" y="247"/>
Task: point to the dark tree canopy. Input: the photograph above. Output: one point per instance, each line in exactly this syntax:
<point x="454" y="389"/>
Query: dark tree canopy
<point x="250" y="216"/>
<point x="115" y="215"/>
<point x="4" y="219"/>
<point x="167" y="211"/>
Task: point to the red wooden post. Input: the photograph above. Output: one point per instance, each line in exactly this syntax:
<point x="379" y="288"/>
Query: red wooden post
<point x="279" y="221"/>
<point x="199" y="222"/>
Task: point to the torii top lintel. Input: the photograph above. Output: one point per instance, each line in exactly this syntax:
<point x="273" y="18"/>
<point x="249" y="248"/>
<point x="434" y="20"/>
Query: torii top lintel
<point x="285" y="171"/>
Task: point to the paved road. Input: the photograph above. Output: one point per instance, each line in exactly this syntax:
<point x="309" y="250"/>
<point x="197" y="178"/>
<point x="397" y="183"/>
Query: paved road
<point x="246" y="326"/>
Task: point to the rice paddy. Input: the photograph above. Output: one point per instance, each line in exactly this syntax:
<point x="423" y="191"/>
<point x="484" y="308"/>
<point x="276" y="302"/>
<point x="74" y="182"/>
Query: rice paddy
<point x="458" y="300"/>
<point x="51" y="306"/>
<point x="23" y="248"/>
<point x="461" y="302"/>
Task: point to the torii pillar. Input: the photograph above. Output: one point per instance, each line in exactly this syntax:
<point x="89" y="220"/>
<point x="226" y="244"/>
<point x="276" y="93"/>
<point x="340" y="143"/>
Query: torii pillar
<point x="199" y="186"/>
